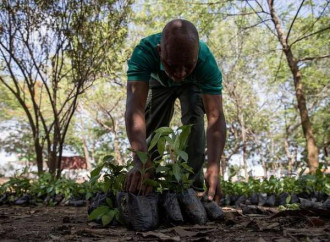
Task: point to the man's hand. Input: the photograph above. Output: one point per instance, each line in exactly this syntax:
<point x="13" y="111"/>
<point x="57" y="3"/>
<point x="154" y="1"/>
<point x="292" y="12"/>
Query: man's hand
<point x="134" y="179"/>
<point x="213" y="183"/>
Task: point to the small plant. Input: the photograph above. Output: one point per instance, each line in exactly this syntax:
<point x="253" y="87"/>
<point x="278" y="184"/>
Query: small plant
<point x="294" y="206"/>
<point x="113" y="176"/>
<point x="112" y="179"/>
<point x="107" y="213"/>
<point x="172" y="166"/>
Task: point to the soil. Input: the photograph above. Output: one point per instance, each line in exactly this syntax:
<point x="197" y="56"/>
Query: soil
<point x="63" y="223"/>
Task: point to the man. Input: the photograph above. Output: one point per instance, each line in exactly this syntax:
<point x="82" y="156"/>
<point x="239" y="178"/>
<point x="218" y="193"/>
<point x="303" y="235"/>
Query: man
<point x="165" y="66"/>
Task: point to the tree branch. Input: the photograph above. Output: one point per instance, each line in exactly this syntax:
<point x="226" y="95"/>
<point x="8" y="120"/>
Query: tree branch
<point x="270" y="29"/>
<point x="309" y="35"/>
<point x="254" y="25"/>
<point x="311" y="58"/>
<point x="292" y="23"/>
<point x="317" y="19"/>
<point x="278" y="68"/>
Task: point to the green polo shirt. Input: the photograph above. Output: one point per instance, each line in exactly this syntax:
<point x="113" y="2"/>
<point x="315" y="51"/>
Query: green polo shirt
<point x="145" y="64"/>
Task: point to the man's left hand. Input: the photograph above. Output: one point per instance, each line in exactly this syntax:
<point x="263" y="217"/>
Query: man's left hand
<point x="213" y="183"/>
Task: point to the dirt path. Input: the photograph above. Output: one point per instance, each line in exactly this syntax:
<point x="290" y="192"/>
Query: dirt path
<point x="60" y="223"/>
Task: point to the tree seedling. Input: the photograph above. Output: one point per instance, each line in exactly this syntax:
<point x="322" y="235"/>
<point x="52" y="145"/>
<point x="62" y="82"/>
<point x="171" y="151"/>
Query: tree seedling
<point x="172" y="161"/>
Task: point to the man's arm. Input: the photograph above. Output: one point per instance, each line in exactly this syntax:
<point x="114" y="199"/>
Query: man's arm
<point x="137" y="93"/>
<point x="216" y="138"/>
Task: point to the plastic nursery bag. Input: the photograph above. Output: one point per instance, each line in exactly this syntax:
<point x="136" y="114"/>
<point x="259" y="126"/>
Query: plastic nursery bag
<point x="192" y="207"/>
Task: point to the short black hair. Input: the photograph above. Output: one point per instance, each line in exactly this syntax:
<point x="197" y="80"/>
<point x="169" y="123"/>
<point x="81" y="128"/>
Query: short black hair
<point x="180" y="27"/>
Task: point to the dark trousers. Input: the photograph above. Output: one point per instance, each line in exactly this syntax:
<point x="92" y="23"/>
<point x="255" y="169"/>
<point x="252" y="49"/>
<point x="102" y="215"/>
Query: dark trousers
<point x="159" y="112"/>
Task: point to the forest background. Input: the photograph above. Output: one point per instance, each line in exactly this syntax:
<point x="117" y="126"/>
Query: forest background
<point x="63" y="78"/>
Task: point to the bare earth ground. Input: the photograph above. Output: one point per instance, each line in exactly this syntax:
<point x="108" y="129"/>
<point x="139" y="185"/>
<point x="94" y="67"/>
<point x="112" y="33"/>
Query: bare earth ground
<point x="39" y="223"/>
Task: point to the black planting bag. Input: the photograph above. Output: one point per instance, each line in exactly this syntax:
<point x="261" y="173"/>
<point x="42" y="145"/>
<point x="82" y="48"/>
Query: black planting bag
<point x="192" y="207"/>
<point x="271" y="201"/>
<point x="122" y="202"/>
<point x="213" y="211"/>
<point x="262" y="199"/>
<point x="143" y="211"/>
<point x="171" y="208"/>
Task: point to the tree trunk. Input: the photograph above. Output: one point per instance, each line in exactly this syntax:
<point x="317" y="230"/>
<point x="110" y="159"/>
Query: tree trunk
<point x="264" y="166"/>
<point x="88" y="161"/>
<point x="289" y="155"/>
<point x="118" y="155"/>
<point x="312" y="150"/>
<point x="325" y="150"/>
<point x="39" y="156"/>
<point x="241" y="117"/>
<point x="52" y="162"/>
<point x="223" y="165"/>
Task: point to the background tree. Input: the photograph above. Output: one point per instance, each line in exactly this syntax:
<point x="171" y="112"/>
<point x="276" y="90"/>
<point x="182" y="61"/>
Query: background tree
<point x="289" y="35"/>
<point x="55" y="50"/>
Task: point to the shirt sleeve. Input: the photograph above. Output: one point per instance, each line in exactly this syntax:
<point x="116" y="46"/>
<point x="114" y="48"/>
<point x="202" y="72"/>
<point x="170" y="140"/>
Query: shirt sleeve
<point x="210" y="75"/>
<point x="140" y="64"/>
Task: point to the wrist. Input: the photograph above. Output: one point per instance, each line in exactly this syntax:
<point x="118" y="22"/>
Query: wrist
<point x="137" y="162"/>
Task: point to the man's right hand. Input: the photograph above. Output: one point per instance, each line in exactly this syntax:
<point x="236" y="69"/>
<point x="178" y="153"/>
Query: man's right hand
<point x="134" y="180"/>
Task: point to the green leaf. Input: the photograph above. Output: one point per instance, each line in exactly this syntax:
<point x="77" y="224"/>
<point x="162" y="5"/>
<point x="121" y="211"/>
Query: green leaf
<point x="107" y="218"/>
<point x="98" y="212"/>
<point x="161" y="146"/>
<point x="288" y="199"/>
<point x="169" y="140"/>
<point x="96" y="171"/>
<point x="143" y="156"/>
<point x="162" y="168"/>
<point x="187" y="167"/>
<point x="106" y="186"/>
<point x="50" y="189"/>
<point x="184" y="135"/>
<point x="109" y="202"/>
<point x="150" y="182"/>
<point x="183" y="155"/>
<point x="177" y="172"/>
<point x="107" y="158"/>
<point x="154" y="141"/>
<point x="164" y="130"/>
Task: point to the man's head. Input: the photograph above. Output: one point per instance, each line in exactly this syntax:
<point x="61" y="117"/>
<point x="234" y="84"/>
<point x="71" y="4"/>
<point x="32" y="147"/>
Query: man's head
<point x="179" y="48"/>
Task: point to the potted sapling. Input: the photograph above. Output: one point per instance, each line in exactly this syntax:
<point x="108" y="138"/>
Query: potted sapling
<point x="140" y="211"/>
<point x="173" y="174"/>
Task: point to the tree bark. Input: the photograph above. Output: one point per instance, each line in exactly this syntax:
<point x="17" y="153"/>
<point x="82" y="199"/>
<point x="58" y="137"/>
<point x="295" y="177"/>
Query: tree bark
<point x="312" y="150"/>
<point x="242" y="122"/>
<point x="39" y="156"/>
<point x="88" y="161"/>
<point x="223" y="165"/>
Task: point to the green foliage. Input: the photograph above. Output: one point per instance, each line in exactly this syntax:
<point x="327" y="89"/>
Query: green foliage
<point x="172" y="167"/>
<point x="241" y="188"/>
<point x="17" y="185"/>
<point x="320" y="182"/>
<point x="46" y="186"/>
<point x="113" y="176"/>
<point x="294" y="206"/>
<point x="77" y="44"/>
<point x="106" y="213"/>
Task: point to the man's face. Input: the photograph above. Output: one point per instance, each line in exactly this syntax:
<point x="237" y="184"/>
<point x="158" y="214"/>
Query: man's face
<point x="179" y="60"/>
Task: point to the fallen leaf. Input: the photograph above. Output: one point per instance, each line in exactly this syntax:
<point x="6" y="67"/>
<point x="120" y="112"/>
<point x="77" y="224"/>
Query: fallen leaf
<point x="54" y="237"/>
<point x="161" y="236"/>
<point x="184" y="233"/>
